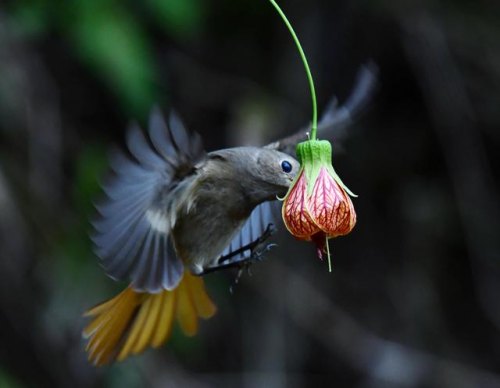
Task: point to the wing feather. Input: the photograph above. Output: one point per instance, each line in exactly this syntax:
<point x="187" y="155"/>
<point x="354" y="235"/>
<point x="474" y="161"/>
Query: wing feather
<point x="252" y="229"/>
<point x="132" y="229"/>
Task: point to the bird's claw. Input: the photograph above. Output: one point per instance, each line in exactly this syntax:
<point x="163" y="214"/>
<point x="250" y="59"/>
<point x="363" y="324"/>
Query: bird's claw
<point x="257" y="250"/>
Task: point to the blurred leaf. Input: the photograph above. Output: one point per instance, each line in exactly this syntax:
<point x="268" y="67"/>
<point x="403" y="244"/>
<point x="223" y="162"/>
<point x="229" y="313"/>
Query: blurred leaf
<point x="7" y="381"/>
<point x="110" y="40"/>
<point x="73" y="246"/>
<point x="179" y="18"/>
<point x="90" y="168"/>
<point x="30" y="18"/>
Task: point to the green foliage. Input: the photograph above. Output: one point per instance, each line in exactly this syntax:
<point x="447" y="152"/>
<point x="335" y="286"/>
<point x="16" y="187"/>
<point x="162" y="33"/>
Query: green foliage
<point x="112" y="39"/>
<point x="74" y="248"/>
<point x="91" y="166"/>
<point x="30" y="18"/>
<point x="179" y="18"/>
<point x="7" y="381"/>
<point x="115" y="46"/>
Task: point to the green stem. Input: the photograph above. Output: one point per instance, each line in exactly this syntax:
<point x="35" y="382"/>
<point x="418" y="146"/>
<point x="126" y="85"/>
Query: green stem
<point x="314" y="125"/>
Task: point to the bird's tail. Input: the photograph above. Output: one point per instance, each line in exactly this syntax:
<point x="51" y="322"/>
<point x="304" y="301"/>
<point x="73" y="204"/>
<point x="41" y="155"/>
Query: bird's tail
<point x="132" y="321"/>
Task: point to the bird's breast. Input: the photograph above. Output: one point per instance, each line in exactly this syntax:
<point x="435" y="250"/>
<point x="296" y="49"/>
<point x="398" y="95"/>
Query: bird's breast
<point x="210" y="219"/>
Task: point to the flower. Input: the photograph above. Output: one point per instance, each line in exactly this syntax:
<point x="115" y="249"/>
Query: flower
<point x="317" y="206"/>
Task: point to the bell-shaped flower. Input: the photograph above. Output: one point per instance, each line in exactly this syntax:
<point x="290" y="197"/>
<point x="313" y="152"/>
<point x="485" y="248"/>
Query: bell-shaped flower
<point x="317" y="206"/>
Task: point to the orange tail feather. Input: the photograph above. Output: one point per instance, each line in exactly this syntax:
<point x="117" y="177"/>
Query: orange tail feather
<point x="133" y="321"/>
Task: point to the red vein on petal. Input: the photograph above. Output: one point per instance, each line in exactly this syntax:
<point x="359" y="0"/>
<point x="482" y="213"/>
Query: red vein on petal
<point x="296" y="216"/>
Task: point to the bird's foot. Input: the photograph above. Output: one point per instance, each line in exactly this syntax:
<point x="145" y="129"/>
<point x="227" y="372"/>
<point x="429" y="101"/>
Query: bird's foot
<point x="237" y="259"/>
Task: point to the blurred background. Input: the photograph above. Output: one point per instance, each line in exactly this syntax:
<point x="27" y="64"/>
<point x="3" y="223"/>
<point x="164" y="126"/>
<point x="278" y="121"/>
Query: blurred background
<point x="413" y="300"/>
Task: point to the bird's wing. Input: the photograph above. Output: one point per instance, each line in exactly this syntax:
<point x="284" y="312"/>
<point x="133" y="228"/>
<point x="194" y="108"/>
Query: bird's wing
<point x="132" y="230"/>
<point x="336" y="119"/>
<point x="248" y="237"/>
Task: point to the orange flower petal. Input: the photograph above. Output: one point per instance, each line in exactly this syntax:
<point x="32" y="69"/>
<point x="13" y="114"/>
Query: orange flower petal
<point x="330" y="206"/>
<point x="295" y="213"/>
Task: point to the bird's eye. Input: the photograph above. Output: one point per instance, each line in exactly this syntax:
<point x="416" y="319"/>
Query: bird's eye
<point x="286" y="166"/>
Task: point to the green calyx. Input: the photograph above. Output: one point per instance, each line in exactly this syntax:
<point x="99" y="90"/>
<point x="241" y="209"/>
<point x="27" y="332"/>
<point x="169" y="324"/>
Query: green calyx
<point x="314" y="155"/>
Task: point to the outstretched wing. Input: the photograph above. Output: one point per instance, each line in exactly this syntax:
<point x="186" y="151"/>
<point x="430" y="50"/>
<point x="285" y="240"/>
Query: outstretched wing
<point x="132" y="231"/>
<point x="336" y="119"/>
<point x="247" y="238"/>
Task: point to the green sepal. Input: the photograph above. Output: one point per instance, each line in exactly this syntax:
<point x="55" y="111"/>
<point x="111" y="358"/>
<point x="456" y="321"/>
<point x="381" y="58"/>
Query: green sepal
<point x="313" y="155"/>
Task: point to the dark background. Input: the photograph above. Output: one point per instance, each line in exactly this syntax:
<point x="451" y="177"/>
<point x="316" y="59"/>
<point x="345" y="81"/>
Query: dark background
<point x="413" y="300"/>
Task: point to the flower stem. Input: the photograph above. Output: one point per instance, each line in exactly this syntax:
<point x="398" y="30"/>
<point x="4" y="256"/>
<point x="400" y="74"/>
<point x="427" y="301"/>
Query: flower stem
<point x="329" y="256"/>
<point x="314" y="124"/>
